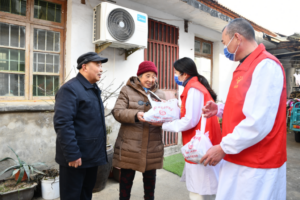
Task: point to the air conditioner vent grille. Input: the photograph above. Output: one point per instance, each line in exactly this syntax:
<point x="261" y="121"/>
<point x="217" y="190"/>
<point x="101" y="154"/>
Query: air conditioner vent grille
<point x="120" y="25"/>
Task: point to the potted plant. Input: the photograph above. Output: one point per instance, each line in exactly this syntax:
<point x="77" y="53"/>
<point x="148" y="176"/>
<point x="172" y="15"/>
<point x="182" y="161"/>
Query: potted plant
<point x="43" y="188"/>
<point x="50" y="184"/>
<point x="9" y="190"/>
<point x="104" y="170"/>
<point x="22" y="172"/>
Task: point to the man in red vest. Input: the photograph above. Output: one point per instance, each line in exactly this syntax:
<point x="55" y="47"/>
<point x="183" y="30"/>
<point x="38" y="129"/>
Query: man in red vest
<point x="254" y="121"/>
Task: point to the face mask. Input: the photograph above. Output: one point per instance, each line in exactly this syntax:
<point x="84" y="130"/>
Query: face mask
<point x="230" y="56"/>
<point x="177" y="81"/>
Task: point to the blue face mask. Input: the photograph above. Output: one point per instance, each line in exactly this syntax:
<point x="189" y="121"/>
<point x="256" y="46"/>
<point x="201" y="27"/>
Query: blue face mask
<point x="230" y="56"/>
<point x="177" y="81"/>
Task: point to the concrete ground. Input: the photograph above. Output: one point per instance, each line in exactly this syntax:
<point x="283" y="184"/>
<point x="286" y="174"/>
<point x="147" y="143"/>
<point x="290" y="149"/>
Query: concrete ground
<point x="293" y="168"/>
<point x="169" y="187"/>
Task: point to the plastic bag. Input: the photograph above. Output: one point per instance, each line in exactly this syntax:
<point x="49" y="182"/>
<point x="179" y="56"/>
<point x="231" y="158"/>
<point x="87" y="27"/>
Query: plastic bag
<point x="163" y="111"/>
<point x="195" y="149"/>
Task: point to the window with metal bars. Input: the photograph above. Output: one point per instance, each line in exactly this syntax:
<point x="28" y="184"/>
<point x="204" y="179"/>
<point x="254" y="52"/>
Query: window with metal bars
<point x="163" y="50"/>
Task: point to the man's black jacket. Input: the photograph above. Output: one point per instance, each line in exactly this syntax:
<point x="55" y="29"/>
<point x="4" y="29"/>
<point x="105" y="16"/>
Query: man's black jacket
<point x="79" y="123"/>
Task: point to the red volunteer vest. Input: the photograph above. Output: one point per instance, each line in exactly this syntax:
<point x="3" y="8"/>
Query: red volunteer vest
<point x="271" y="151"/>
<point x="212" y="124"/>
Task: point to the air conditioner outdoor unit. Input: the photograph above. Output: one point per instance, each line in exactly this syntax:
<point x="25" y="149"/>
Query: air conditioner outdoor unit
<point x="123" y="27"/>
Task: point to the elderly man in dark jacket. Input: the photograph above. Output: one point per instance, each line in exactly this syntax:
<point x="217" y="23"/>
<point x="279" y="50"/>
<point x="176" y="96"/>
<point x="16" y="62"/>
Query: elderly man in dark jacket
<point x="80" y="127"/>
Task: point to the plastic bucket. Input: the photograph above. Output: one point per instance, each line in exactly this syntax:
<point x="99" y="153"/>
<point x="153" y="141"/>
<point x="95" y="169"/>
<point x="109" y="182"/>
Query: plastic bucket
<point x="50" y="188"/>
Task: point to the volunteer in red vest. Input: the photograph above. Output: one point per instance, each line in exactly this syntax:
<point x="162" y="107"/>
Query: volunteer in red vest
<point x="201" y="181"/>
<point x="254" y="121"/>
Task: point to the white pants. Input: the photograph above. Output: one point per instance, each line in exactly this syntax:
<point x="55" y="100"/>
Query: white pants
<point x="195" y="196"/>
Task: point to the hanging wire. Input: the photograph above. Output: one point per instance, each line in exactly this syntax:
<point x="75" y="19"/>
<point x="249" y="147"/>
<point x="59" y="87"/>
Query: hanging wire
<point x="90" y="4"/>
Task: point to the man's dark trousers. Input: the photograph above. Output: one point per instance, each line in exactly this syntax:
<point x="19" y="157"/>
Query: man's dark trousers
<point x="77" y="184"/>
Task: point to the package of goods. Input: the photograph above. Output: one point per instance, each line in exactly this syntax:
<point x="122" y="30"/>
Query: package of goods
<point x="166" y="111"/>
<point x="195" y="149"/>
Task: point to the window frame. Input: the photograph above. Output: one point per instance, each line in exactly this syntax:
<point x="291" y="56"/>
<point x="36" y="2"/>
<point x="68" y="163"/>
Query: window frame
<point x="46" y="22"/>
<point x="204" y="55"/>
<point x="29" y="22"/>
<point x="27" y="53"/>
<point x="15" y="16"/>
<point x="61" y="54"/>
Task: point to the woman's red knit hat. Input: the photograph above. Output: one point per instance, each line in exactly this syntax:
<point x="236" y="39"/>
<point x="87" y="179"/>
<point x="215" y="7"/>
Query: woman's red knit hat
<point x="147" y="66"/>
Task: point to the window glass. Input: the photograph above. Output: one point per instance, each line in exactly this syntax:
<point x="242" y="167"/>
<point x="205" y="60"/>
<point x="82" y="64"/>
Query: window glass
<point x="206" y="48"/>
<point x="46" y="62"/>
<point x="45" y="85"/>
<point x="47" y="11"/>
<point x="204" y="67"/>
<point x="11" y="84"/>
<point x="197" y="46"/>
<point x="17" y="7"/>
<point x="45" y="40"/>
<point x="12" y="35"/>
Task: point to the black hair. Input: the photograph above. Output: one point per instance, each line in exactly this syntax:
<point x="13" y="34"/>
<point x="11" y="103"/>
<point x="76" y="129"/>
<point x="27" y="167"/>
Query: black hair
<point x="188" y="66"/>
<point x="241" y="26"/>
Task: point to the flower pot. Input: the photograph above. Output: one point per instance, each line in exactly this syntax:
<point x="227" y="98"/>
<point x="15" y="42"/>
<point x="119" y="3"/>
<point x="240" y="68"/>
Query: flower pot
<point x="25" y="177"/>
<point x="117" y="174"/>
<point x="104" y="171"/>
<point x="24" y="194"/>
<point x="50" y="188"/>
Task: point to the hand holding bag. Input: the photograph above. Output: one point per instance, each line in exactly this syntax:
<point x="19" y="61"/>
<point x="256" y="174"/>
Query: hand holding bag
<point x="167" y="111"/>
<point x="195" y="149"/>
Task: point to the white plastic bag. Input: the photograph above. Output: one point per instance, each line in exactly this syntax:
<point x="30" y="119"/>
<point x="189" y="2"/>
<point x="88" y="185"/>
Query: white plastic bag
<point x="195" y="149"/>
<point x="163" y="111"/>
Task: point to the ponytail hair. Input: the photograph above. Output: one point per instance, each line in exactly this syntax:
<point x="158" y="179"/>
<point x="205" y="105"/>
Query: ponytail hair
<point x="188" y="66"/>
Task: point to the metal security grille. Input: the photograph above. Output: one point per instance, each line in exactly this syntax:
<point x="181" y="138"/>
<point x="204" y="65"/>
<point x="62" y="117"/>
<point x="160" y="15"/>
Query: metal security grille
<point x="163" y="51"/>
<point x="170" y="138"/>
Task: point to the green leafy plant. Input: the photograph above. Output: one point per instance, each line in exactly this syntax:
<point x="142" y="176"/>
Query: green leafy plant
<point x="21" y="167"/>
<point x="108" y="130"/>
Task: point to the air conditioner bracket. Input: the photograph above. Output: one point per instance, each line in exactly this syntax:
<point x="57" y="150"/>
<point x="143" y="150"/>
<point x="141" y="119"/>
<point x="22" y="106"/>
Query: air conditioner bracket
<point x="131" y="51"/>
<point x="100" y="48"/>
